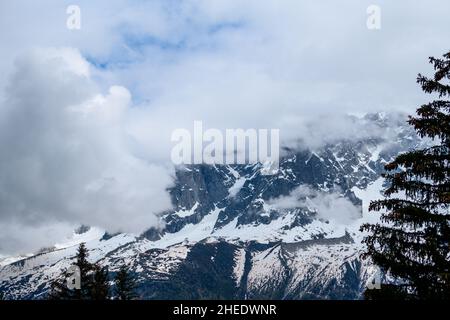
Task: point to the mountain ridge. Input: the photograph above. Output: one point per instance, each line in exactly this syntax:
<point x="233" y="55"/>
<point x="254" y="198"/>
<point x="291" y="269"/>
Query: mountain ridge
<point x="239" y="224"/>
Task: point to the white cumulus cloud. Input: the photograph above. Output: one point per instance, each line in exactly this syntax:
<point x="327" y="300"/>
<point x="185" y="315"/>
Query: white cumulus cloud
<point x="66" y="155"/>
<point x="327" y="205"/>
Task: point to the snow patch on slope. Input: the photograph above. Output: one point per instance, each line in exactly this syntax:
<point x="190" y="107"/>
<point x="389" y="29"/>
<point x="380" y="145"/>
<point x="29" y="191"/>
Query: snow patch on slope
<point x="191" y="232"/>
<point x="236" y="187"/>
<point x="187" y="213"/>
<point x="239" y="265"/>
<point x="77" y="238"/>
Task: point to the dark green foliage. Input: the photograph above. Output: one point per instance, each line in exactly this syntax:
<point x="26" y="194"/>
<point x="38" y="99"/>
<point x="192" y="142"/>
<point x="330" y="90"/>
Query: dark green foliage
<point x="94" y="281"/>
<point x="125" y="285"/>
<point x="387" y="292"/>
<point x="100" y="285"/>
<point x="414" y="241"/>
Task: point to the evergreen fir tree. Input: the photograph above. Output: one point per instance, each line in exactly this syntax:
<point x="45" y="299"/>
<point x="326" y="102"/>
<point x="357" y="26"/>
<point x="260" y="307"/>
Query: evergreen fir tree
<point x="93" y="278"/>
<point x="59" y="289"/>
<point x="125" y="285"/>
<point x="86" y="273"/>
<point x="100" y="284"/>
<point x="412" y="244"/>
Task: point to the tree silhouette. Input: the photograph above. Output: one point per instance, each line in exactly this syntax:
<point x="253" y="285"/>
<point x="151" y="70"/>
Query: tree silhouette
<point x="93" y="279"/>
<point x="412" y="242"/>
<point x="100" y="284"/>
<point x="125" y="285"/>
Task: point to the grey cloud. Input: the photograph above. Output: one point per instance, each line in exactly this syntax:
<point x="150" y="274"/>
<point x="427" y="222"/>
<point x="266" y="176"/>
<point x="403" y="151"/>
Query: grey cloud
<point x="327" y="205"/>
<point x="65" y="157"/>
<point x="231" y="64"/>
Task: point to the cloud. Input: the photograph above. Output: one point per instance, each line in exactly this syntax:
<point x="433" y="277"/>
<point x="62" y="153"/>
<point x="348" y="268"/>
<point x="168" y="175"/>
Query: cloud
<point x="85" y="133"/>
<point x="66" y="155"/>
<point x="288" y="57"/>
<point x="18" y="238"/>
<point x="235" y="64"/>
<point x="328" y="205"/>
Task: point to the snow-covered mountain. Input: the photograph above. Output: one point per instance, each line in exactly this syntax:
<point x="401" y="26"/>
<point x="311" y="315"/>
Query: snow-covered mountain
<point x="235" y="233"/>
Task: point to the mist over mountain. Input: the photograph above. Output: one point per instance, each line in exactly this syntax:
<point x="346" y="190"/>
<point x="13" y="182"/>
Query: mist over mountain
<point x="92" y="95"/>
<point x="291" y="235"/>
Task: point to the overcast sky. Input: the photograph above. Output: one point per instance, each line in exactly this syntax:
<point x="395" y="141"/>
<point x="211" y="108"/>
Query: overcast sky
<point x="86" y="115"/>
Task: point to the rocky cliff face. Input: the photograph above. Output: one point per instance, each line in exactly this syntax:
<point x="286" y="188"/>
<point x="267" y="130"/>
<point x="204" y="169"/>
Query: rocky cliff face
<point x="235" y="233"/>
